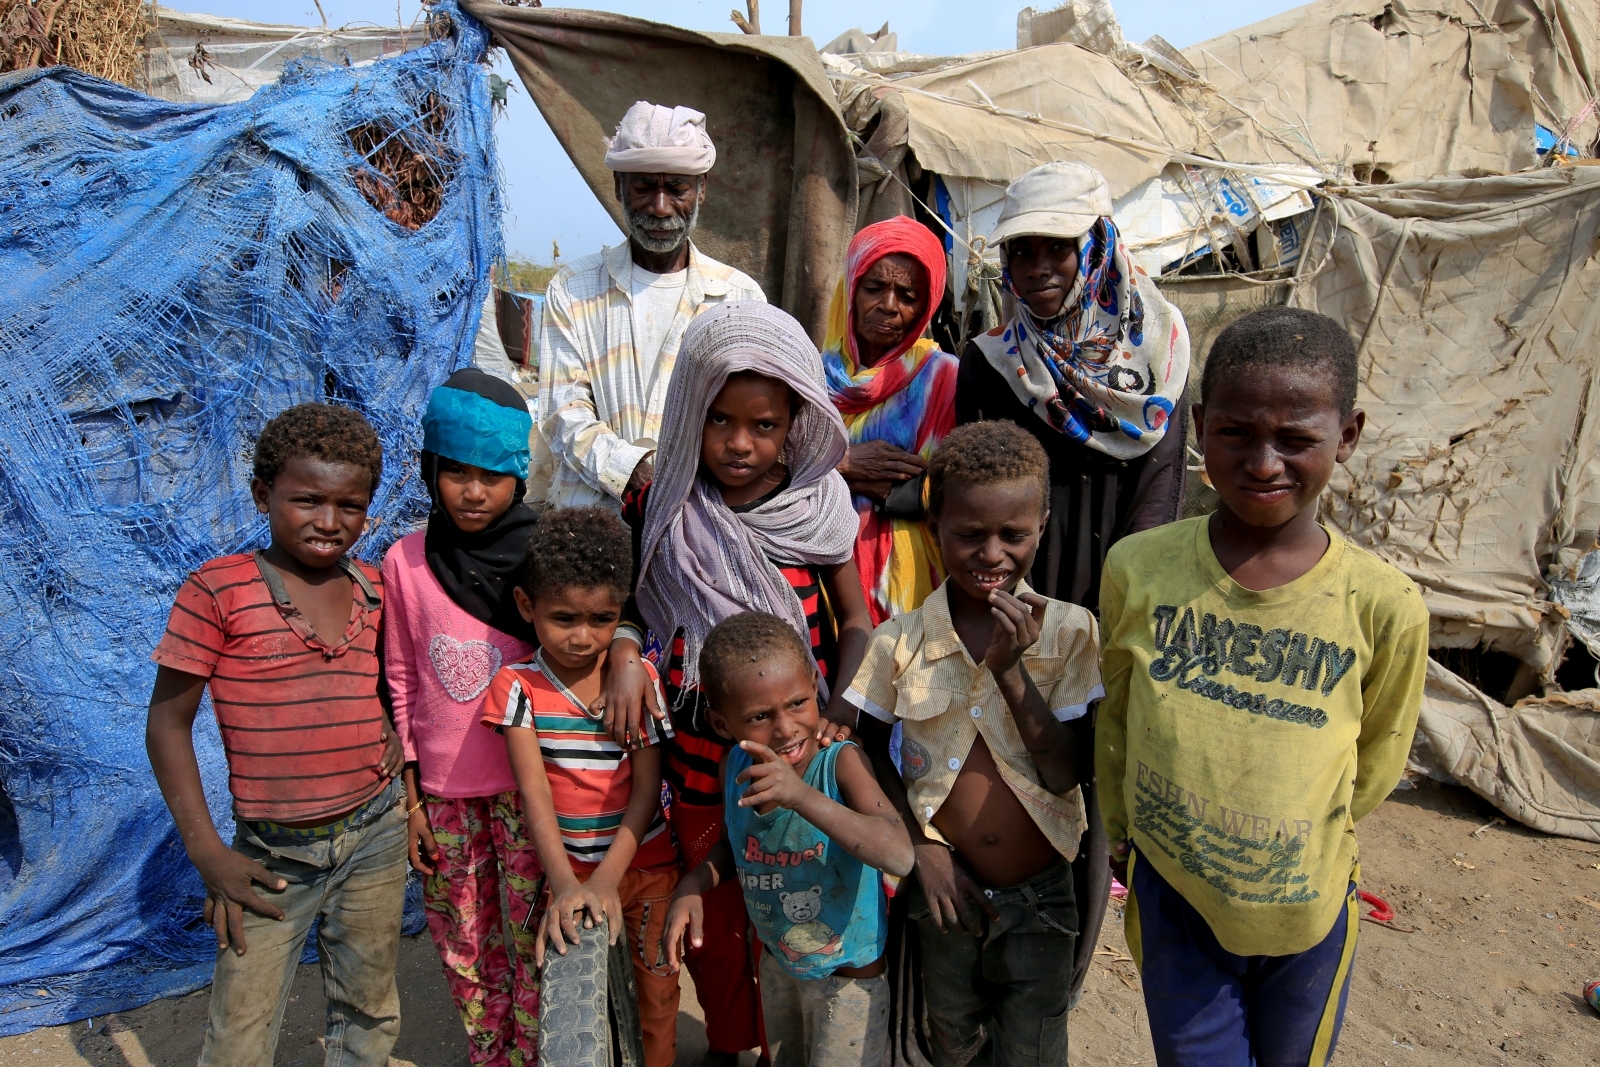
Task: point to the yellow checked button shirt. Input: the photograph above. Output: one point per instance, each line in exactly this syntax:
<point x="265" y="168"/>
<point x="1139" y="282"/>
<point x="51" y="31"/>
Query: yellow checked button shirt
<point x="917" y="671"/>
<point x="1245" y="731"/>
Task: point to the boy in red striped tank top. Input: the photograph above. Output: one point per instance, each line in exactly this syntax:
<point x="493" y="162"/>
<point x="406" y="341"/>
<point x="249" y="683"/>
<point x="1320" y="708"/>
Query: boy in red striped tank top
<point x="287" y="639"/>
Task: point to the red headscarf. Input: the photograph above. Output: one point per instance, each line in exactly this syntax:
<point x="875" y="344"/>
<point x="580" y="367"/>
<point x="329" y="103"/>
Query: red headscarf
<point x="856" y="388"/>
<point x="907" y="399"/>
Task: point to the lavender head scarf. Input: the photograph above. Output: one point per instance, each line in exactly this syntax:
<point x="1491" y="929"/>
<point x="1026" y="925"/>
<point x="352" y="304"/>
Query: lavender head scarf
<point x="700" y="562"/>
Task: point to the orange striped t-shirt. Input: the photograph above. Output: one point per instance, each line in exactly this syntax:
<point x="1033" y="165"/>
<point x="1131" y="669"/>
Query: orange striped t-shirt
<point x="591" y="778"/>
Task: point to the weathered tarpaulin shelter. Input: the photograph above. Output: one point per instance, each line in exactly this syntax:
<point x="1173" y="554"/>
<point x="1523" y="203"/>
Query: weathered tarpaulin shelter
<point x="1391" y="91"/>
<point x="175" y="275"/>
<point x="780" y="203"/>
<point x="1416" y="172"/>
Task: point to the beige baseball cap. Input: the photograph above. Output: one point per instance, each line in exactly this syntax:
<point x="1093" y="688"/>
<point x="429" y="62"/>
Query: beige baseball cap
<point x="1053" y="200"/>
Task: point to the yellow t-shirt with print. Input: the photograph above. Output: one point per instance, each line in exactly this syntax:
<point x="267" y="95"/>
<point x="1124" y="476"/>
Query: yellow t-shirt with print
<point x="1244" y="732"/>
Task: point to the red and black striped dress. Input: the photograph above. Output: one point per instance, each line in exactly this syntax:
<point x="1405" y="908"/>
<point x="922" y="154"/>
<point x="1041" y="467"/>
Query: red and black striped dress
<point x="695" y="750"/>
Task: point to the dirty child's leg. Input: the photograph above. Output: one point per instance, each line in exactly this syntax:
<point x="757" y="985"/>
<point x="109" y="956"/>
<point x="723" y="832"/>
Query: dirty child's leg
<point x="248" y="992"/>
<point x="359" y="940"/>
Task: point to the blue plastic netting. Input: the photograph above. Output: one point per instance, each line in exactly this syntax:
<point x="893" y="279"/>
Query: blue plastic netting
<point x="170" y="277"/>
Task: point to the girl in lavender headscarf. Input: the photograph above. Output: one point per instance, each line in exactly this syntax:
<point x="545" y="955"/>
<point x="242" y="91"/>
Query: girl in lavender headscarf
<point x="746" y="513"/>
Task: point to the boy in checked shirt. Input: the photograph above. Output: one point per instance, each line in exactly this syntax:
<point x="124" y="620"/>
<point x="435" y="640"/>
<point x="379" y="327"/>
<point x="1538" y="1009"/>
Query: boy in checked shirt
<point x="991" y="684"/>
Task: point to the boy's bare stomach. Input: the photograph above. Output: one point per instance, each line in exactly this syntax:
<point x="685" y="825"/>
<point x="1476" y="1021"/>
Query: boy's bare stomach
<point x="993" y="834"/>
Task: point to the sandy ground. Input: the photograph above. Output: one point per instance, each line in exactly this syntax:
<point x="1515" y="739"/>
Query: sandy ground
<point x="1503" y="933"/>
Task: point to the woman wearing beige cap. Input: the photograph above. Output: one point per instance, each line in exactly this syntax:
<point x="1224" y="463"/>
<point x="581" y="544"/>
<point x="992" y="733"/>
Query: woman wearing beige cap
<point x="1093" y="362"/>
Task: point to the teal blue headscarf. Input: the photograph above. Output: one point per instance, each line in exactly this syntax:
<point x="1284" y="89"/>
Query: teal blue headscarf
<point x="478" y="419"/>
<point x="464" y="424"/>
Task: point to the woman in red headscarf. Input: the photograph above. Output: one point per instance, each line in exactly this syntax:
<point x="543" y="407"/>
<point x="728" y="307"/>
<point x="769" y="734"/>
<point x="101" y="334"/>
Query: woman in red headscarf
<point x="896" y="391"/>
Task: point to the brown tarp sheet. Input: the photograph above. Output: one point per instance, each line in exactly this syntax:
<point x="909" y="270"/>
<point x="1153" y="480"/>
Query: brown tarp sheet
<point x="1374" y="88"/>
<point x="1134" y="130"/>
<point x="1413" y="91"/>
<point x="1538" y="761"/>
<point x="998" y="116"/>
<point x="1476" y="302"/>
<point x="781" y="201"/>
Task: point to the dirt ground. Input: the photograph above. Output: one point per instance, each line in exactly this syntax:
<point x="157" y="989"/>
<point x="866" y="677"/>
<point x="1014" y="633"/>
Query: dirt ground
<point x="1493" y="938"/>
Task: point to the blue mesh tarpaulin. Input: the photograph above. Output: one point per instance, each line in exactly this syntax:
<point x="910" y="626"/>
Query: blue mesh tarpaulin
<point x="171" y="276"/>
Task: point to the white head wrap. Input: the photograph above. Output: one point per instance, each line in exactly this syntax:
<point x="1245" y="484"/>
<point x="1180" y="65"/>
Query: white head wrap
<point x="654" y="139"/>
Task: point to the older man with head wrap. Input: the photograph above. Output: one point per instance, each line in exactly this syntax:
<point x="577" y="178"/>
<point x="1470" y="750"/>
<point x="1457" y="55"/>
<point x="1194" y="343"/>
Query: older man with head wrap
<point x="613" y="321"/>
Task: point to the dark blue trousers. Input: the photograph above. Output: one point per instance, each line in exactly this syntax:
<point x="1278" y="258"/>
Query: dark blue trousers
<point x="1211" y="1008"/>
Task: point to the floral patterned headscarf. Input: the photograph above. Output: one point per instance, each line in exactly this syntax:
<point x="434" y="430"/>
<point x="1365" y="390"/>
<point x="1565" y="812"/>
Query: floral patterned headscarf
<point x="1110" y="369"/>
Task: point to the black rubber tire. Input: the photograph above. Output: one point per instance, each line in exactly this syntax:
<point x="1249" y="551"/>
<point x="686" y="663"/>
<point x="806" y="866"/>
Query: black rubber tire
<point x="573" y="1028"/>
<point x="588" y="1006"/>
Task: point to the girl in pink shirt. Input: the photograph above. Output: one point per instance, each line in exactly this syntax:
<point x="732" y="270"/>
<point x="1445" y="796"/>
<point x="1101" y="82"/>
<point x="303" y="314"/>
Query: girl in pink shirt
<point x="450" y="624"/>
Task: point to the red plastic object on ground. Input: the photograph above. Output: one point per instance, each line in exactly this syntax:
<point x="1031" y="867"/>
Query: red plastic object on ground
<point x="1381" y="912"/>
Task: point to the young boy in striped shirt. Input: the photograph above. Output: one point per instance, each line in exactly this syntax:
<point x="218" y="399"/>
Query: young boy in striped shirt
<point x="287" y="639"/>
<point x="592" y="809"/>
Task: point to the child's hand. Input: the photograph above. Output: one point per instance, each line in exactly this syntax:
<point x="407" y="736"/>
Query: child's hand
<point x="948" y="887"/>
<point x="1017" y="622"/>
<point x="772" y="780"/>
<point x="626" y="696"/>
<point x="685" y="929"/>
<point x="420" y="842"/>
<point x="228" y="877"/>
<point x="1118" y="859"/>
<point x="394" y="756"/>
<point x="837" y="722"/>
<point x="585" y="902"/>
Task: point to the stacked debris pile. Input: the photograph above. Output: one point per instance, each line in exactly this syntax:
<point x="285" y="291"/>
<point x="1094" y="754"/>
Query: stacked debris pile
<point x="105" y="38"/>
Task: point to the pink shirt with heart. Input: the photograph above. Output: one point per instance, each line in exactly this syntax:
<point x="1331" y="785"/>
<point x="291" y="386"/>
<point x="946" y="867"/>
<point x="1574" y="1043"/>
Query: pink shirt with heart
<point x="439" y="661"/>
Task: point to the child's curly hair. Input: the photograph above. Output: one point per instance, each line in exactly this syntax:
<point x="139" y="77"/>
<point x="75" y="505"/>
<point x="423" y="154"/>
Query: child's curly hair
<point x="1285" y="337"/>
<point x="987" y="453"/>
<point x="741" y="641"/>
<point x="327" y="432"/>
<point x="586" y="548"/>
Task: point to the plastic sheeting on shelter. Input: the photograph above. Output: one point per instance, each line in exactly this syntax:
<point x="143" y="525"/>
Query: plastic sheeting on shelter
<point x="1335" y="90"/>
<point x="1578" y="593"/>
<point x="208" y="59"/>
<point x="1475" y="302"/>
<point x="1398" y="92"/>
<point x="781" y="201"/>
<point x="1538" y="761"/>
<point x="175" y="275"/>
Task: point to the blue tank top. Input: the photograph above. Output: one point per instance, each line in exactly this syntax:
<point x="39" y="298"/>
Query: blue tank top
<point x="815" y="907"/>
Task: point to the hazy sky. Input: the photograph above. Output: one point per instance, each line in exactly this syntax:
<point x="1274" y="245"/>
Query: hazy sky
<point x="547" y="200"/>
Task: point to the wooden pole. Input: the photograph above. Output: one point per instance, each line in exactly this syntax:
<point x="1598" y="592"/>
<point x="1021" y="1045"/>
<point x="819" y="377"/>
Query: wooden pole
<point x="751" y="24"/>
<point x="794" y="18"/>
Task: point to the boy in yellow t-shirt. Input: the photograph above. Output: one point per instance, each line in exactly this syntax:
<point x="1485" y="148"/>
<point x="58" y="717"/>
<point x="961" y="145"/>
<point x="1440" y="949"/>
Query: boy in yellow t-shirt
<point x="1263" y="679"/>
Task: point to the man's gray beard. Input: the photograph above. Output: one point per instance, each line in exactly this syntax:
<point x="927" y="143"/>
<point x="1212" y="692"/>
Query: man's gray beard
<point x="681" y="229"/>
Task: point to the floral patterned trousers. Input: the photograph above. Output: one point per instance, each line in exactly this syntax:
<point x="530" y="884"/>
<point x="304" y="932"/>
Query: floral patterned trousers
<point x="483" y="844"/>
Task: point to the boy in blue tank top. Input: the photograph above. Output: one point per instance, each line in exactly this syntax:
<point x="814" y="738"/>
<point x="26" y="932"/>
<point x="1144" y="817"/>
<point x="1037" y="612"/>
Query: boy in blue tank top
<point x="808" y="830"/>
